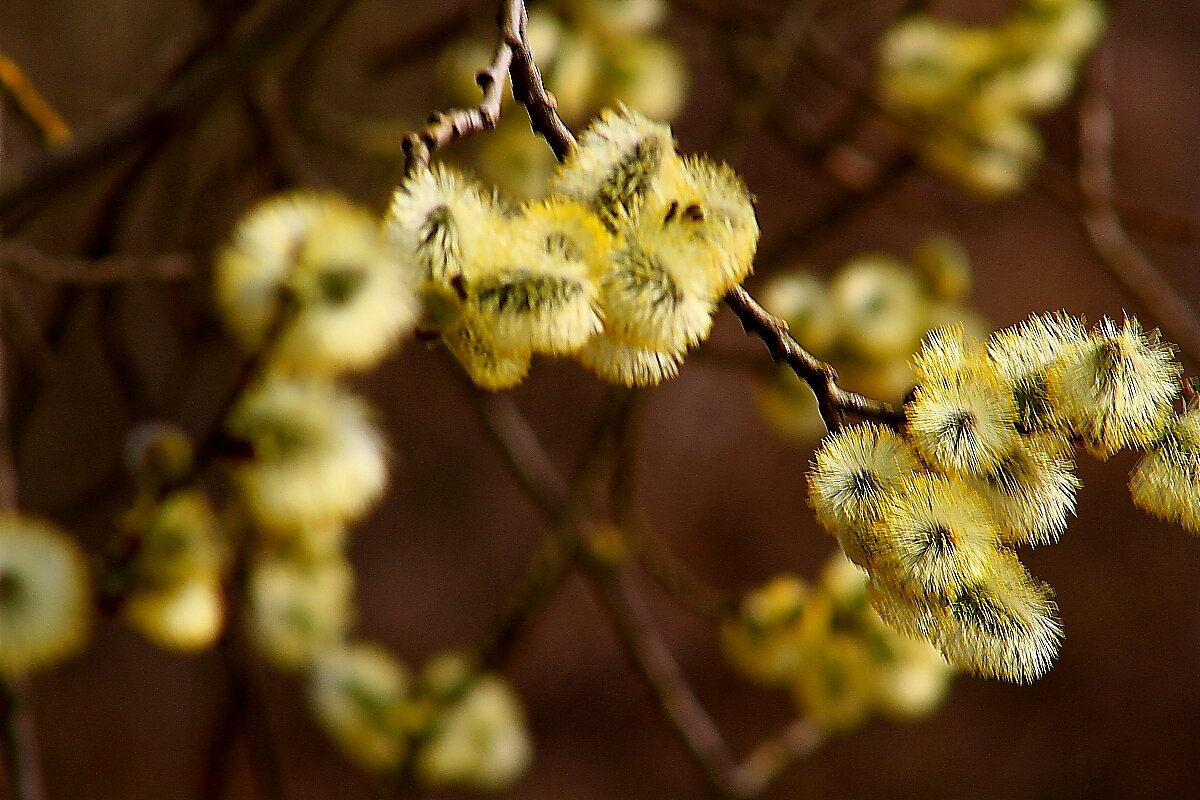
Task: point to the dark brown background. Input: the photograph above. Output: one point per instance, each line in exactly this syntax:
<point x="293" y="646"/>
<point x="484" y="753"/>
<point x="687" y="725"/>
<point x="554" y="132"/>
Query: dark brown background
<point x="1119" y="716"/>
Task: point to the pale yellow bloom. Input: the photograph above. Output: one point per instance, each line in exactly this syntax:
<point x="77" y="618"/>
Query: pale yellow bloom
<point x="45" y="599"/>
<point x="357" y="694"/>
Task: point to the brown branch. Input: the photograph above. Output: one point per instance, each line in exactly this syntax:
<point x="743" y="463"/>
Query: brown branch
<point x="25" y="259"/>
<point x="30" y="103"/>
<point x="1117" y="252"/>
<point x="661" y="563"/>
<point x="185" y="95"/>
<point x="700" y="734"/>
<point x="644" y="645"/>
<point x="832" y="400"/>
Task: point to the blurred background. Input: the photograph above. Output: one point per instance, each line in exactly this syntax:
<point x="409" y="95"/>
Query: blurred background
<point x="325" y="105"/>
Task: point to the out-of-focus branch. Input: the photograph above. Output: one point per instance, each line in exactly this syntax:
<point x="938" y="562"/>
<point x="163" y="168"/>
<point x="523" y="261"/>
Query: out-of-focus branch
<point x="660" y="562"/>
<point x="700" y="734"/>
<point x="832" y="400"/>
<point x="30" y="103"/>
<point x="647" y="650"/>
<point x="1117" y="252"/>
<point x="185" y="95"/>
<point x="414" y="45"/>
<point x="25" y="259"/>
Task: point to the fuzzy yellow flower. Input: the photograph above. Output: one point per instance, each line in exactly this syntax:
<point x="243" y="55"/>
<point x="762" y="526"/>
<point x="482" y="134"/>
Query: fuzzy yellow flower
<point x="1166" y="481"/>
<point x="854" y="471"/>
<point x="1116" y="390"/>
<point x="934" y="537"/>
<point x="350" y="299"/>
<point x="45" y="600"/>
<point x="317" y="457"/>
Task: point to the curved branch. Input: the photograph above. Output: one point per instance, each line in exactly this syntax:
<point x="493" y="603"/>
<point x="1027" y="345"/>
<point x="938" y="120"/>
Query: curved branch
<point x="1117" y="252"/>
<point x="832" y="400"/>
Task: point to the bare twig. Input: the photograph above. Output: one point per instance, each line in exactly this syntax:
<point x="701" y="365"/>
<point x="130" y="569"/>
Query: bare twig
<point x="30" y="103"/>
<point x="660" y="562"/>
<point x="644" y="645"/>
<point x="1117" y="252"/>
<point x="832" y="400"/>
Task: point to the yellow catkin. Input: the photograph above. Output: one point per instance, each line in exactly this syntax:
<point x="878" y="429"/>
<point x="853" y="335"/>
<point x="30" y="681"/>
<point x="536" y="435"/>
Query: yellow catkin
<point x="853" y="472"/>
<point x="479" y="740"/>
<point x="317" y="457"/>
<point x="357" y="695"/>
<point x="1023" y="355"/>
<point x="45" y="599"/>
<point x="765" y="640"/>
<point x="617" y="162"/>
<point x="347" y="299"/>
<point x="1166" y="481"/>
<point x="962" y="421"/>
<point x="1116" y="390"/>
<point x="1006" y="626"/>
<point x="934" y="537"/>
<point x="1031" y="492"/>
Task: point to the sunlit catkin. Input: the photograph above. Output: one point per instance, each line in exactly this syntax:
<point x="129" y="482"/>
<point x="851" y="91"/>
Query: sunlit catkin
<point x="437" y="221"/>
<point x="1031" y="492"/>
<point x="629" y="365"/>
<point x="299" y="608"/>
<point x="313" y="271"/>
<point x="764" y="640"/>
<point x="854" y="471"/>
<point x="316" y="456"/>
<point x="1023" y="355"/>
<point x="962" y="421"/>
<point x="534" y="287"/>
<point x="618" y="161"/>
<point x="477" y="740"/>
<point x="1166" y="481"/>
<point x="45" y="599"/>
<point x="1116" y="390"/>
<point x="185" y="616"/>
<point x="934" y="536"/>
<point x="1006" y="626"/>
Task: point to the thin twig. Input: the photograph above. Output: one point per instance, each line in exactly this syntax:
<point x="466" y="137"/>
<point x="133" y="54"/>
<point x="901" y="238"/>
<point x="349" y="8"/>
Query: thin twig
<point x="1117" y="252"/>
<point x="832" y="400"/>
<point x="30" y="103"/>
<point x="644" y="645"/>
<point x="660" y="562"/>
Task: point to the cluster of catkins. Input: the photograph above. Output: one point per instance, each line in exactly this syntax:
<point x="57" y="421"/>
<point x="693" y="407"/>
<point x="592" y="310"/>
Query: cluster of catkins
<point x="969" y="92"/>
<point x="310" y="286"/>
<point x="593" y="54"/>
<point x="621" y="265"/>
<point x="828" y="646"/>
<point x="866" y="320"/>
<point x="984" y="463"/>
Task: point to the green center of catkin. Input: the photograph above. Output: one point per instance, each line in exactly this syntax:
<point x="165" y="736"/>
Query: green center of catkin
<point x="938" y="541"/>
<point x="339" y="284"/>
<point x="10" y="589"/>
